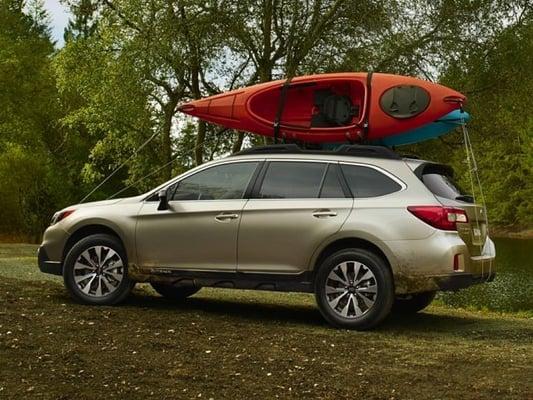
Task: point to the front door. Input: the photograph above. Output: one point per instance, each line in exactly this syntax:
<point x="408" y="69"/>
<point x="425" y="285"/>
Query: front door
<point x="199" y="229"/>
<point x="297" y="206"/>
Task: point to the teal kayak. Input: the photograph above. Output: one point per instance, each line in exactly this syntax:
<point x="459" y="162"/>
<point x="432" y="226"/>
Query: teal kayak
<point x="435" y="129"/>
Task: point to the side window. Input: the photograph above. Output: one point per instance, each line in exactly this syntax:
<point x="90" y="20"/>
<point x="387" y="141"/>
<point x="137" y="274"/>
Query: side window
<point x="368" y="182"/>
<point x="227" y="181"/>
<point x="331" y="187"/>
<point x="292" y="180"/>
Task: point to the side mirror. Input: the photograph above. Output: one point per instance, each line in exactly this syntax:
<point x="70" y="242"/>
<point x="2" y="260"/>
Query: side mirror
<point x="163" y="200"/>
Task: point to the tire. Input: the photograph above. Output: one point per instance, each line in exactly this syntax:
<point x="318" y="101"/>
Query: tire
<point x="104" y="284"/>
<point x="175" y="293"/>
<point x="413" y="303"/>
<point x="371" y="289"/>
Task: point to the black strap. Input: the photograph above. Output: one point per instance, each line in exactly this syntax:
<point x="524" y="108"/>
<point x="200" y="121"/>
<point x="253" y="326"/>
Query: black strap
<point x="281" y="106"/>
<point x="366" y="121"/>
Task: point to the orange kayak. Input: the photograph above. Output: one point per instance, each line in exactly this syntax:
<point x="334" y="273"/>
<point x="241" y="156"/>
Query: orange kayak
<point x="336" y="107"/>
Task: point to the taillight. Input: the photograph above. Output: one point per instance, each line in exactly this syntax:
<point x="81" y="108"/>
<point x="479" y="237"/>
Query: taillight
<point x="445" y="218"/>
<point x="58" y="216"/>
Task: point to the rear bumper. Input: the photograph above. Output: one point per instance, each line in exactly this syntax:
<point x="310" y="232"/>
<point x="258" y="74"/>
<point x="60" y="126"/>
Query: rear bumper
<point x="461" y="281"/>
<point x="47" y="266"/>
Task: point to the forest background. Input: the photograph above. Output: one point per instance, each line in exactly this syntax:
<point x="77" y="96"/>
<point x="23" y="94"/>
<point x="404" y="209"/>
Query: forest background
<point x="70" y="115"/>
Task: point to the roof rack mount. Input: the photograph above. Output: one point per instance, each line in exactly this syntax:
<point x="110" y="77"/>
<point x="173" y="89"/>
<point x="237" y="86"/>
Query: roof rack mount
<point x="345" y="149"/>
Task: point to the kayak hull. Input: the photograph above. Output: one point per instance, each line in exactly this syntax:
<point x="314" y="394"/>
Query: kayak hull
<point x="442" y="126"/>
<point x="337" y="107"/>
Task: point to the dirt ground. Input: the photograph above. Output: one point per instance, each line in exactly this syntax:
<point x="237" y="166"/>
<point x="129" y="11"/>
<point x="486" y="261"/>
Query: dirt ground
<point x="241" y="345"/>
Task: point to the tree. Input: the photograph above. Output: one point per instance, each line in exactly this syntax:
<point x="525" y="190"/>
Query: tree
<point x="84" y="21"/>
<point x="28" y="114"/>
<point x="499" y="83"/>
<point x="494" y="73"/>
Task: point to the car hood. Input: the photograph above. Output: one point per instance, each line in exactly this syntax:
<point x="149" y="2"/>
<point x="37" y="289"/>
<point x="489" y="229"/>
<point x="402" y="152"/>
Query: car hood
<point x="103" y="203"/>
<point x="97" y="203"/>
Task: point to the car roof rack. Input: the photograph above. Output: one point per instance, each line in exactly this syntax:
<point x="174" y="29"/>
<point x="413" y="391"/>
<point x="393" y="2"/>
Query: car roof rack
<point x="345" y="149"/>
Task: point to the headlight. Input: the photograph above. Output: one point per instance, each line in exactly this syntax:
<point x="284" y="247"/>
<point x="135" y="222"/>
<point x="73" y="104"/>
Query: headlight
<point x="61" y="215"/>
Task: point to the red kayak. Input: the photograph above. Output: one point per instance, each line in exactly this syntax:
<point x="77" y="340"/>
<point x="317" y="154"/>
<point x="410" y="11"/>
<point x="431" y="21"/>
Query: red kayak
<point x="336" y="107"/>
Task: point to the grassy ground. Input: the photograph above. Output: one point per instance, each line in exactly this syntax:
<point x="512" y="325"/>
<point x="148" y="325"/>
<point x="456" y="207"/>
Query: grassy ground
<point x="238" y="344"/>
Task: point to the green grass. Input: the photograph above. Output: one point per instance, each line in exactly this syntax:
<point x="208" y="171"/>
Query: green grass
<point x="244" y="344"/>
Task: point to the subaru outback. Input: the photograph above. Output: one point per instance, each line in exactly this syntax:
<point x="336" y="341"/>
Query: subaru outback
<point x="364" y="229"/>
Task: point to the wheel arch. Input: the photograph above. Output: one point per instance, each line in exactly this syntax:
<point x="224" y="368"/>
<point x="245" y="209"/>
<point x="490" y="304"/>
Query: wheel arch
<point x="353" y="241"/>
<point x="83" y="231"/>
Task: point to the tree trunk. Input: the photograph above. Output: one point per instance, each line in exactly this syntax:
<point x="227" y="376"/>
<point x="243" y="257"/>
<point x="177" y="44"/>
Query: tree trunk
<point x="197" y="94"/>
<point x="237" y="145"/>
<point x="167" y="140"/>
<point x="265" y="67"/>
<point x="200" y="139"/>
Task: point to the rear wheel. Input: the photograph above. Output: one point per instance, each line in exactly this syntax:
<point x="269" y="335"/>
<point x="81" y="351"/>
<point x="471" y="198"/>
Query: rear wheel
<point x="176" y="293"/>
<point x="413" y="303"/>
<point x="354" y="289"/>
<point x="96" y="271"/>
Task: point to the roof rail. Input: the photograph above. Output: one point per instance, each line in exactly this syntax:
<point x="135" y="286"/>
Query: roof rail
<point x="367" y="151"/>
<point x="346" y="149"/>
<point x="272" y="148"/>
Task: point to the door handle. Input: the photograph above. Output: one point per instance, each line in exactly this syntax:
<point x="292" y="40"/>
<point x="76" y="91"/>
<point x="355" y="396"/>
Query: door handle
<point x="226" y="216"/>
<point x="324" y="213"/>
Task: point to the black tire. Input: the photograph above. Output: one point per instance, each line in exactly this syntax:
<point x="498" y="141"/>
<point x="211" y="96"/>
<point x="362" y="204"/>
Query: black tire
<point x="412" y="303"/>
<point x="382" y="300"/>
<point x="120" y="291"/>
<point x="175" y="293"/>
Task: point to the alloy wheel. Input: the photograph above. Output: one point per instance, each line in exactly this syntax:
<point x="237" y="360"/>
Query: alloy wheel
<point x="351" y="289"/>
<point x="98" y="271"/>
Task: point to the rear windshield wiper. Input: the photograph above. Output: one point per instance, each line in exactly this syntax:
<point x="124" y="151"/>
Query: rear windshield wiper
<point x="466" y="198"/>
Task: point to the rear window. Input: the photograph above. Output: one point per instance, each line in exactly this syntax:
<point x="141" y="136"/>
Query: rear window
<point x="438" y="178"/>
<point x="368" y="182"/>
<point x="443" y="186"/>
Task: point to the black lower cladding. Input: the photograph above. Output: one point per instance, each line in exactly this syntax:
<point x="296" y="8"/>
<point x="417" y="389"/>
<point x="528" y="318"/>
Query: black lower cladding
<point x="47" y="266"/>
<point x="451" y="283"/>
<point x="240" y="280"/>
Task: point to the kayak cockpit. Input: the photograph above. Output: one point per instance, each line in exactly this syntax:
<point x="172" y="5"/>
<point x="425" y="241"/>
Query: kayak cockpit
<point x="307" y="105"/>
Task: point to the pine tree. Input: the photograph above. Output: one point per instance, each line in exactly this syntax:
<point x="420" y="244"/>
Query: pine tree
<point x="84" y="21"/>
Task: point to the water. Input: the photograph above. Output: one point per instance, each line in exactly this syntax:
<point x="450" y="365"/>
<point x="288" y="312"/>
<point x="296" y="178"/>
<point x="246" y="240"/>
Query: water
<point x="512" y="290"/>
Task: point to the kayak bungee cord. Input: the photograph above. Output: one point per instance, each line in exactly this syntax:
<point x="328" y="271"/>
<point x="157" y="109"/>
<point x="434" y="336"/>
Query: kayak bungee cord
<point x="131" y="157"/>
<point x="159" y="169"/>
<point x="143" y="178"/>
<point x="473" y="170"/>
<point x="119" y="167"/>
<point x="366" y="120"/>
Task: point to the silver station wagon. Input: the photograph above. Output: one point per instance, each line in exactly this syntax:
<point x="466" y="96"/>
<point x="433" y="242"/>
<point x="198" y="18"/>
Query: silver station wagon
<point x="362" y="228"/>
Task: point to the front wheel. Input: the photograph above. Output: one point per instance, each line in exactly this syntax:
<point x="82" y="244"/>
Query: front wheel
<point x="354" y="289"/>
<point x="96" y="271"/>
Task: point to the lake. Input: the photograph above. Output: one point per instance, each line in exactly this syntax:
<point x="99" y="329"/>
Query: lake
<point x="512" y="290"/>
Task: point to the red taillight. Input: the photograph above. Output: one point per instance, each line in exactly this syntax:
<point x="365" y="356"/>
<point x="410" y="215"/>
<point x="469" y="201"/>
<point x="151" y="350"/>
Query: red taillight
<point x="444" y="218"/>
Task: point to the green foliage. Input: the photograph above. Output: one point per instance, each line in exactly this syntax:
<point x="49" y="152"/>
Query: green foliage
<point x="70" y="117"/>
<point x="84" y="21"/>
<point x="29" y="138"/>
<point x="498" y="81"/>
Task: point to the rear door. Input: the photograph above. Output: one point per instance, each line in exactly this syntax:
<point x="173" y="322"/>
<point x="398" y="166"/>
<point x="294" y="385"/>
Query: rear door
<point x="295" y="205"/>
<point x="439" y="180"/>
